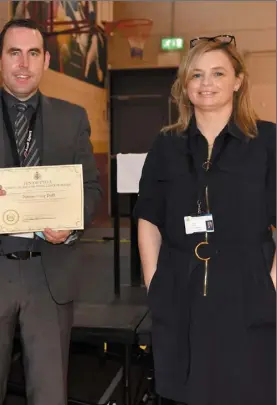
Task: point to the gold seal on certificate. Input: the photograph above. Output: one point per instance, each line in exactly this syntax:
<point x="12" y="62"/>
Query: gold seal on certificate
<point x="10" y="217"/>
<point x="41" y="197"/>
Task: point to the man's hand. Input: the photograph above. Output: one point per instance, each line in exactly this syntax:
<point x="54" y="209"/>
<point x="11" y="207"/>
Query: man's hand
<point x="2" y="191"/>
<point x="56" y="237"/>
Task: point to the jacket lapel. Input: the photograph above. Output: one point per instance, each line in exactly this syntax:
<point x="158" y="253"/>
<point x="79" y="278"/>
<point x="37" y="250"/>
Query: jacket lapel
<point x="47" y="118"/>
<point x="2" y="129"/>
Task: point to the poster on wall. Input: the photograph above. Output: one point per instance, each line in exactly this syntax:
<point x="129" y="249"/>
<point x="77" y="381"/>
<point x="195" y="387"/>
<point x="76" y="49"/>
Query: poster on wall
<point x="82" y="55"/>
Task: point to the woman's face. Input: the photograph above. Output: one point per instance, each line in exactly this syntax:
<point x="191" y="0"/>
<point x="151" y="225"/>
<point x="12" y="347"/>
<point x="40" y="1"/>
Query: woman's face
<point x="212" y="82"/>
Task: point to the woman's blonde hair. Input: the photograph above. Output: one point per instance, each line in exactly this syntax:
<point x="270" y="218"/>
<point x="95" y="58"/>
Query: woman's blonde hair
<point x="243" y="113"/>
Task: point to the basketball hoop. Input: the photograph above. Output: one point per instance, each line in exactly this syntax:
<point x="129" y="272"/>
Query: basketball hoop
<point x="109" y="27"/>
<point x="136" y="31"/>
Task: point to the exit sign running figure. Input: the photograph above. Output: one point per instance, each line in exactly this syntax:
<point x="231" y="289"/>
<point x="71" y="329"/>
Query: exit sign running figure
<point x="172" y="44"/>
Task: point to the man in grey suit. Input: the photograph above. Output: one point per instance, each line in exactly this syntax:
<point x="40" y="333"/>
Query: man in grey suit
<point x="38" y="274"/>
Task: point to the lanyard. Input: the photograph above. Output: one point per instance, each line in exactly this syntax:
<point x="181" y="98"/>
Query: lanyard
<point x="202" y="183"/>
<point x="201" y="174"/>
<point x="28" y="140"/>
<point x="202" y="169"/>
<point x="11" y="134"/>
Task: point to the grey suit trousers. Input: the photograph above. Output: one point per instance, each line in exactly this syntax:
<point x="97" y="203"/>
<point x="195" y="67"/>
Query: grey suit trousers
<point x="44" y="327"/>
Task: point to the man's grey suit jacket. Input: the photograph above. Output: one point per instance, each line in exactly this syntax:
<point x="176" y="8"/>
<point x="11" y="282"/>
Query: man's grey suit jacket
<point x="65" y="140"/>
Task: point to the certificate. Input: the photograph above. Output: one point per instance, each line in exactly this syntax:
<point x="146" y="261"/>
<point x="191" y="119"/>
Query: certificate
<point x="41" y="197"/>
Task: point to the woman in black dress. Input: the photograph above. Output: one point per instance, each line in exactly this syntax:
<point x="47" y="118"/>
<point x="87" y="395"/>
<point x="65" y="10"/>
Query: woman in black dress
<point x="205" y="212"/>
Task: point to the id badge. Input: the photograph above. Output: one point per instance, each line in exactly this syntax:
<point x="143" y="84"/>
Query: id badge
<point x="199" y="224"/>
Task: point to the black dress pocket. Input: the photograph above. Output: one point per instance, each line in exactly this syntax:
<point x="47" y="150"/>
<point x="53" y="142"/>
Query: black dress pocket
<point x="161" y="284"/>
<point x="261" y="294"/>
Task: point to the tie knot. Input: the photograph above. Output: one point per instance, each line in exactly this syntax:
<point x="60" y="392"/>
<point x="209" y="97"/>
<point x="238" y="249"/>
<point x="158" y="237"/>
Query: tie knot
<point x="21" y="107"/>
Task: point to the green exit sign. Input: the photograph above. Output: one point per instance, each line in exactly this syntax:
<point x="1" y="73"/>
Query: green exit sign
<point x="172" y="44"/>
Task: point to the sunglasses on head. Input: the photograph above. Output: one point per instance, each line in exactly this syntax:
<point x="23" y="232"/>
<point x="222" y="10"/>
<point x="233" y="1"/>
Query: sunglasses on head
<point x="224" y="39"/>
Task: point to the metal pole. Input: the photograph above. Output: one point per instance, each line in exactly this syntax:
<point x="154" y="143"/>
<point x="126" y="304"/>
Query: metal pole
<point x="134" y="251"/>
<point x="116" y="225"/>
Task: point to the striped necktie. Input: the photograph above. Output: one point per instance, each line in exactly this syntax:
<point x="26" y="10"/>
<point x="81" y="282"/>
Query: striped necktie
<point x="21" y="138"/>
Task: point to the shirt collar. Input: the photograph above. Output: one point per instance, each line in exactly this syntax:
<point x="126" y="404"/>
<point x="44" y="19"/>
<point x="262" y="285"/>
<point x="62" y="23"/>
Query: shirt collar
<point x="234" y="130"/>
<point x="11" y="100"/>
<point x="231" y="128"/>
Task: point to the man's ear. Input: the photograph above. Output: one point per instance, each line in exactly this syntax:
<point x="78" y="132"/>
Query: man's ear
<point x="46" y="60"/>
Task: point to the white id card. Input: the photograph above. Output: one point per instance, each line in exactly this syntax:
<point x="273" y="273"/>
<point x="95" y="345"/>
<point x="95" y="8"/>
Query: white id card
<point x="200" y="223"/>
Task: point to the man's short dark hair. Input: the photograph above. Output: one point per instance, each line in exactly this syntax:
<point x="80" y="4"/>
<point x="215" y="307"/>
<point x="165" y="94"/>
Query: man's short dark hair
<point x="21" y="23"/>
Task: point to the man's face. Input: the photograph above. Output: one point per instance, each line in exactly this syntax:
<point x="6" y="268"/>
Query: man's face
<point x="23" y="61"/>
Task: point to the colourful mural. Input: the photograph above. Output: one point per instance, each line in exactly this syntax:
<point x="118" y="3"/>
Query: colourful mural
<point x="80" y="52"/>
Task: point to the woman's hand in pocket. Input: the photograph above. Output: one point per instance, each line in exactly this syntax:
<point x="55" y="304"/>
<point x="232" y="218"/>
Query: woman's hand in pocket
<point x="148" y="277"/>
<point x="273" y="271"/>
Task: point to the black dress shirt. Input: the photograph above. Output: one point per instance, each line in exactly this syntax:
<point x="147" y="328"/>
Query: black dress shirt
<point x="241" y="181"/>
<point x="10" y="103"/>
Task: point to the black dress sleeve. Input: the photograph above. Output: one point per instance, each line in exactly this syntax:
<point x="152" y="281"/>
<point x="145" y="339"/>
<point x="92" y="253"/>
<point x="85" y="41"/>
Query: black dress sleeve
<point x="271" y="173"/>
<point x="150" y="202"/>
